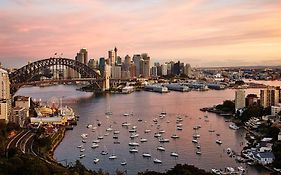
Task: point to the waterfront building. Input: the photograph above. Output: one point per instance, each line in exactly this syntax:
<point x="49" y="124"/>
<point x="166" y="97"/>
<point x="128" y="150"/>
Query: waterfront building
<point x="125" y="74"/>
<point x="187" y="70"/>
<point x="146" y="67"/>
<point x="239" y="99"/>
<point x="23" y="102"/>
<point x="19" y="116"/>
<point x="132" y="70"/>
<point x="275" y="110"/>
<point x="252" y="99"/>
<point x="269" y="97"/>
<point x="5" y="97"/>
<point x="164" y="69"/>
<point x="59" y="120"/>
<point x="154" y="71"/>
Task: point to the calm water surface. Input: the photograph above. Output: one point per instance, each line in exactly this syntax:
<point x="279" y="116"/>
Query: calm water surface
<point x="146" y="106"/>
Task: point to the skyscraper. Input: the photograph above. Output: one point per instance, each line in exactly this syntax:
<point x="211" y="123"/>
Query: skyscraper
<point x="82" y="56"/>
<point x="239" y="99"/>
<point x="137" y="59"/>
<point x="112" y="56"/>
<point x="5" y="97"/>
<point x="269" y="97"/>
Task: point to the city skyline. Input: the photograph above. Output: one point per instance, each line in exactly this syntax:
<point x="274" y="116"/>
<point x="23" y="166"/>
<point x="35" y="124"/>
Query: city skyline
<point x="224" y="33"/>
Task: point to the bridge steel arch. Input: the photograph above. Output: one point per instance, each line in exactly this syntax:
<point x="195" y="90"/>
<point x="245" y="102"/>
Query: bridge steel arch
<point x="27" y="72"/>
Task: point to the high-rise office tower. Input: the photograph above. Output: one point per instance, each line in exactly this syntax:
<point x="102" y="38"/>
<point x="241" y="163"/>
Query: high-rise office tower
<point x="269" y="97"/>
<point x="5" y="97"/>
<point x="239" y="99"/>
<point x="137" y="59"/>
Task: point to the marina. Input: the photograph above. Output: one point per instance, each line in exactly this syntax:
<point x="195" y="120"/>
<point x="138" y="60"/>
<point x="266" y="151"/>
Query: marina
<point x="92" y="111"/>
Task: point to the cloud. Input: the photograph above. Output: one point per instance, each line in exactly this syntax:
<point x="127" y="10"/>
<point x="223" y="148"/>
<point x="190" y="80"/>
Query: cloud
<point x="165" y="29"/>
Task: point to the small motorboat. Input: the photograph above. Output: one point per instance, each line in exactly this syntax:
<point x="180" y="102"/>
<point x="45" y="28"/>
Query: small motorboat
<point x="195" y="141"/>
<point x="160" y="148"/>
<point x="133" y="150"/>
<point x="174" y="154"/>
<point x="81" y="156"/>
<point x="95" y="145"/>
<point x="113" y="156"/>
<point x="96" y="160"/>
<point x="218" y="141"/>
<point x="104" y="152"/>
<point x="134" y="144"/>
<point x="157" y="161"/>
<point x="143" y="140"/>
<point x="175" y="136"/>
<point x="96" y="141"/>
<point x="123" y="163"/>
<point x="146" y="155"/>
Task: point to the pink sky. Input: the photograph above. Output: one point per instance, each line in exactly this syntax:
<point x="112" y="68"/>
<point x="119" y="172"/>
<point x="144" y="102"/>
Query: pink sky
<point x="199" y="32"/>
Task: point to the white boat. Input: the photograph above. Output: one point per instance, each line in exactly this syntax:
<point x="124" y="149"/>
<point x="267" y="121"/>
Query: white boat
<point x="163" y="140"/>
<point x="157" y="161"/>
<point x="80" y="146"/>
<point x="82" y="149"/>
<point x="143" y="140"/>
<point x="84" y="136"/>
<point x="113" y="156"/>
<point x="96" y="141"/>
<point x="132" y="130"/>
<point x="161" y="131"/>
<point x="81" y="156"/>
<point x="230" y="169"/>
<point x="241" y="169"/>
<point x="134" y="135"/>
<point x="126" y="114"/>
<point x="109" y="129"/>
<point x="84" y="141"/>
<point x="134" y="144"/>
<point x="108" y="113"/>
<point x="218" y="141"/>
<point x="104" y="152"/>
<point x="147" y="131"/>
<point x="157" y="135"/>
<point x="116" y="132"/>
<point x="106" y="134"/>
<point x="198" y="147"/>
<point x="123" y="163"/>
<point x="196" y="135"/>
<point x="195" y="141"/>
<point x="198" y="152"/>
<point x="179" y="128"/>
<point x="174" y="154"/>
<point x="146" y="155"/>
<point x="133" y="150"/>
<point x="115" y="137"/>
<point x="96" y="160"/>
<point x="134" y="127"/>
<point x="215" y="171"/>
<point x="175" y="136"/>
<point x="228" y="151"/>
<point x="89" y="126"/>
<point x="179" y="125"/>
<point x="126" y="124"/>
<point x="160" y="148"/>
<point x="94" y="145"/>
<point x="233" y="126"/>
<point x="100" y="137"/>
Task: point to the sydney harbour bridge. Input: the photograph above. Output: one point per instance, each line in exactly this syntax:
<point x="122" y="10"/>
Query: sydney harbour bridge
<point x="26" y="74"/>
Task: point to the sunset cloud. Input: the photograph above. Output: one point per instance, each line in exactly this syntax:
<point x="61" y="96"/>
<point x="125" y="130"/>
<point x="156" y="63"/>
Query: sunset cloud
<point x="191" y="31"/>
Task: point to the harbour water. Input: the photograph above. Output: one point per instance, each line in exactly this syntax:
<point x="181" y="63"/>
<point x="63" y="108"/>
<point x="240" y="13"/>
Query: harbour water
<point x="146" y="106"/>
